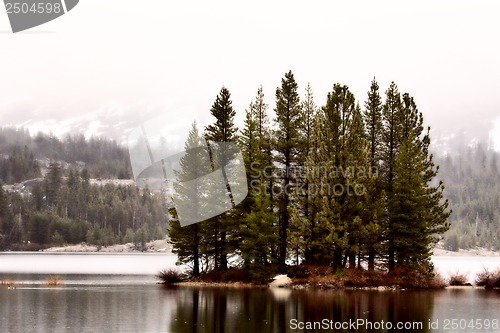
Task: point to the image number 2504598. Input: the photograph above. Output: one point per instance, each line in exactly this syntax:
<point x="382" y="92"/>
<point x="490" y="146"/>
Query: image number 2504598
<point x="26" y="14"/>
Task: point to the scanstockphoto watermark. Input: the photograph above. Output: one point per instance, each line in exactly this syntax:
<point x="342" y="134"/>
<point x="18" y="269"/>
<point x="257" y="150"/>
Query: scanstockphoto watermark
<point x="329" y="180"/>
<point x="354" y="325"/>
<point x="200" y="178"/>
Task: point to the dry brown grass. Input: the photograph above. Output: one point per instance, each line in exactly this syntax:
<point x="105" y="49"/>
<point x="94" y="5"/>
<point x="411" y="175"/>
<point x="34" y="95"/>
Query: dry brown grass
<point x="458" y="279"/>
<point x="403" y="278"/>
<point x="416" y="277"/>
<point x="488" y="279"/>
<point x="52" y="281"/>
<point x="170" y="276"/>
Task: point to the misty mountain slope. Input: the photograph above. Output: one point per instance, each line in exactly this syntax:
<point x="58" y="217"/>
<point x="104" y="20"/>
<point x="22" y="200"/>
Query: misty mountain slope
<point x="26" y="156"/>
<point x="472" y="186"/>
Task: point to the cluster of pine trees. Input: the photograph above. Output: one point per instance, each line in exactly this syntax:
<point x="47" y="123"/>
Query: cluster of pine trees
<point x="64" y="207"/>
<point x="340" y="185"/>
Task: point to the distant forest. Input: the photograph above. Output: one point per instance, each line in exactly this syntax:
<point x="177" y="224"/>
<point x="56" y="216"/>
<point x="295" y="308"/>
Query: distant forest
<point x="103" y="158"/>
<point x="472" y="179"/>
<point x="49" y="199"/>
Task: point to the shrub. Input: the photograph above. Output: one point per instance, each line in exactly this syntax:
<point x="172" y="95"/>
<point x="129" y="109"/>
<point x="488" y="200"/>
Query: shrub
<point x="239" y="275"/>
<point x="437" y="282"/>
<point x="364" y="279"/>
<point x="416" y="277"/>
<point x="57" y="239"/>
<point x="169" y="276"/>
<point x="298" y="272"/>
<point x="458" y="279"/>
<point x="488" y="279"/>
<point x="52" y="281"/>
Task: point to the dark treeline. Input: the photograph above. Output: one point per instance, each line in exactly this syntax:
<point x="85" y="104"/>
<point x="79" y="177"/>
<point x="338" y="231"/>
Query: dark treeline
<point x="472" y="180"/>
<point x="102" y="157"/>
<point x="340" y="185"/>
<point x="58" y="210"/>
<point x="20" y="165"/>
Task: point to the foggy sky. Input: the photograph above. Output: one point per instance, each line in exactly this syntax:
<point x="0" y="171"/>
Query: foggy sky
<point x="108" y="65"/>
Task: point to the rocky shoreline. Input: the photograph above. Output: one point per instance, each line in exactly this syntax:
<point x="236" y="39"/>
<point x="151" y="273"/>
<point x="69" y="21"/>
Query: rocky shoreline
<point x="160" y="245"/>
<point x="480" y="252"/>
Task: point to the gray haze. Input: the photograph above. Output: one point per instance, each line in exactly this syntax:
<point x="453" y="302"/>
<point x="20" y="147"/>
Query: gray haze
<point x="108" y="65"/>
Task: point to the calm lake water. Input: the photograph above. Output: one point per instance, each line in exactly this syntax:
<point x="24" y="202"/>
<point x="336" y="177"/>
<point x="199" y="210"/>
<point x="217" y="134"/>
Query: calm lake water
<point x="94" y="300"/>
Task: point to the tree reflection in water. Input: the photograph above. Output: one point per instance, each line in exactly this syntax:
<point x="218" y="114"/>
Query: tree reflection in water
<point x="214" y="309"/>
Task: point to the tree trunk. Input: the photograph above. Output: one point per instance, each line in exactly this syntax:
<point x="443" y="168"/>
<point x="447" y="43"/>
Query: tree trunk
<point x="196" y="253"/>
<point x="371" y="259"/>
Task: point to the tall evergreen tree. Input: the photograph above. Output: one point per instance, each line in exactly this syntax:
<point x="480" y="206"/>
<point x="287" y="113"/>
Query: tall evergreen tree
<point x="287" y="148"/>
<point x="304" y="216"/>
<point x="249" y="141"/>
<point x="5" y="217"/>
<point x="73" y="185"/>
<point x="373" y="123"/>
<point x="264" y="156"/>
<point x="265" y="160"/>
<point x="53" y="182"/>
<point x="357" y="182"/>
<point x="37" y="195"/>
<point x="392" y="123"/>
<point x="257" y="231"/>
<point x="331" y="173"/>
<point x="188" y="186"/>
<point x="259" y="109"/>
<point x="417" y="208"/>
<point x="223" y="130"/>
<point x="84" y="194"/>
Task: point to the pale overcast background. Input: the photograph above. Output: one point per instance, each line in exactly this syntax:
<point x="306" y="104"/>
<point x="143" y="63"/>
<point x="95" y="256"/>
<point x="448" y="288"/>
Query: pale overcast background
<point x="108" y="65"/>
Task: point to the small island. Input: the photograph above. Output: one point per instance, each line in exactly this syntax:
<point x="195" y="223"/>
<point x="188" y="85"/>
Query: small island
<point x="339" y="196"/>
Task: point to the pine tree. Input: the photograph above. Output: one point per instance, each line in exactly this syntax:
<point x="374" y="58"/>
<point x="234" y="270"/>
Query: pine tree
<point x="257" y="232"/>
<point x="37" y="195"/>
<point x="391" y="132"/>
<point x="305" y="214"/>
<point x="249" y="141"/>
<point x="188" y="186"/>
<point x="287" y="146"/>
<point x="265" y="161"/>
<point x="373" y="123"/>
<point x="5" y="217"/>
<point x="53" y="182"/>
<point x="84" y="194"/>
<point x="223" y="130"/>
<point x="357" y="167"/>
<point x="299" y="236"/>
<point x="331" y="174"/>
<point x="341" y="108"/>
<point x="417" y="208"/>
<point x="259" y="109"/>
<point x="73" y="185"/>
